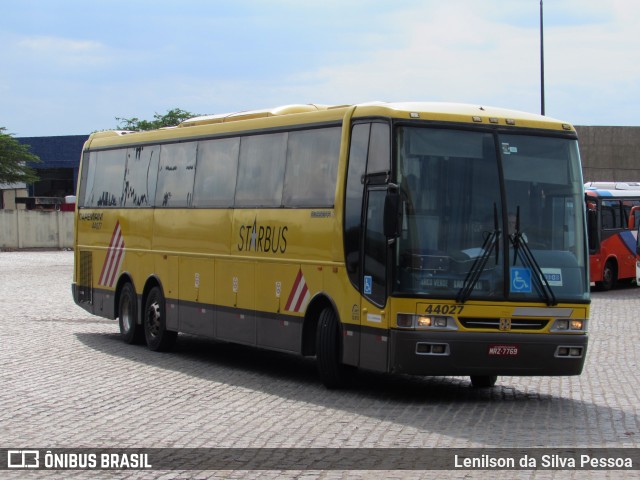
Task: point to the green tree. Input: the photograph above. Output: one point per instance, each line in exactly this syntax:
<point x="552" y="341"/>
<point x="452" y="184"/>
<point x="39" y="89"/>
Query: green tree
<point x="170" y="119"/>
<point x="14" y="160"/>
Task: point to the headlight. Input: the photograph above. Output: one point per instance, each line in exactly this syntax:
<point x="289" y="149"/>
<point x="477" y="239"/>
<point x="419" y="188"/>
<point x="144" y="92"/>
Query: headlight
<point x="575" y="325"/>
<point x="410" y="321"/>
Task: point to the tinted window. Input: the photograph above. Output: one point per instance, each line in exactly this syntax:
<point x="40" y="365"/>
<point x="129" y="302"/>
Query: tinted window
<point x="379" y="152"/>
<point x="141" y="176"/>
<point x="611" y="214"/>
<point x="261" y="170"/>
<point x="627" y="205"/>
<point x="216" y="173"/>
<point x="105" y="178"/>
<point x="88" y="177"/>
<point x="312" y="164"/>
<point x="175" y="175"/>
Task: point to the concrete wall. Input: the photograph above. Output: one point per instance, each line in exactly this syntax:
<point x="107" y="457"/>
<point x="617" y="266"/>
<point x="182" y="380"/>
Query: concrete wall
<point x="35" y="229"/>
<point x="8" y="199"/>
<point x="610" y="153"/>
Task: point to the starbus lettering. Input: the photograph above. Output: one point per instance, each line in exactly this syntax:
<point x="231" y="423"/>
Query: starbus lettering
<point x="263" y="239"/>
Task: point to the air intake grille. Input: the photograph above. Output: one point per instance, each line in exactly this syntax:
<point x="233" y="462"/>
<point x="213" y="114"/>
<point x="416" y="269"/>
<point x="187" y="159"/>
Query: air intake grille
<point x="494" y="323"/>
<point x="85" y="290"/>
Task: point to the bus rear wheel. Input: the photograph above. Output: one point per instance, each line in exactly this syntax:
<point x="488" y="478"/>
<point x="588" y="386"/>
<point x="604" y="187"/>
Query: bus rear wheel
<point x="609" y="276"/>
<point x="333" y="373"/>
<point x="131" y="331"/>
<point x="483" y="381"/>
<point x="159" y="339"/>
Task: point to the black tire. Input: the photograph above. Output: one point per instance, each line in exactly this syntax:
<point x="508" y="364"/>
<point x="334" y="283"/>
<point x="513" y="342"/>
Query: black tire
<point x="132" y="332"/>
<point x="483" y="381"/>
<point x="609" y="276"/>
<point x="333" y="373"/>
<point x="159" y="339"/>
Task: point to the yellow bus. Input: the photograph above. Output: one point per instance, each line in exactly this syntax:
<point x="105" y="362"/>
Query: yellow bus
<point x="417" y="238"/>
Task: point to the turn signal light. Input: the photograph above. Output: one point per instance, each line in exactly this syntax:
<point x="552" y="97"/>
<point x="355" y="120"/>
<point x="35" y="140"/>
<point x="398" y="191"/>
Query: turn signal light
<point x="569" y="325"/>
<point x="424" y="322"/>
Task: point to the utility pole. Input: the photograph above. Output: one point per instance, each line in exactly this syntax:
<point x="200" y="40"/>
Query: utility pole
<point x="541" y="61"/>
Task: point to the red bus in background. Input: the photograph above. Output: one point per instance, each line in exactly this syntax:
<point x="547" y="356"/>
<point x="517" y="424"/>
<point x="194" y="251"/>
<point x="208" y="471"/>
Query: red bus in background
<point x="69" y="204"/>
<point x="638" y="256"/>
<point x="613" y="217"/>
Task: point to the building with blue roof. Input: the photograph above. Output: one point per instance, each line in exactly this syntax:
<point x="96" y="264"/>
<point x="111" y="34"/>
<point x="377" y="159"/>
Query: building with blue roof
<point x="58" y="172"/>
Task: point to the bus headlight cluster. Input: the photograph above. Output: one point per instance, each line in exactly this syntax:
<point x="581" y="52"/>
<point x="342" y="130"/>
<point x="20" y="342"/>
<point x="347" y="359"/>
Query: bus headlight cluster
<point x="569" y="325"/>
<point x="410" y="321"/>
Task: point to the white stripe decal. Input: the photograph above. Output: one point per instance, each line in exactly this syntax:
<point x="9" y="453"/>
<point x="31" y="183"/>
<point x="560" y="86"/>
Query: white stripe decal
<point x="299" y="296"/>
<point x="114" y="258"/>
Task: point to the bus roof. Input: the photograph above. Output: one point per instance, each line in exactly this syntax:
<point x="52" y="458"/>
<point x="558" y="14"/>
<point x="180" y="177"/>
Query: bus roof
<point x="299" y="114"/>
<point x="612" y="189"/>
<point x="461" y="112"/>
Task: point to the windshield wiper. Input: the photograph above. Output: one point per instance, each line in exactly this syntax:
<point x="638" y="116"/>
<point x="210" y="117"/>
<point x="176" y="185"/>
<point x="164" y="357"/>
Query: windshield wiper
<point x="490" y="243"/>
<point x="521" y="250"/>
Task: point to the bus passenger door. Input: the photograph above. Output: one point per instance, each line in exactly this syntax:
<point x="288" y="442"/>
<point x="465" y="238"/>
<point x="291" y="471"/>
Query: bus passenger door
<point x="374" y="318"/>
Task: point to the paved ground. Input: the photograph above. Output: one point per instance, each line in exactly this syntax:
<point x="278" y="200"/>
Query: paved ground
<point x="67" y="380"/>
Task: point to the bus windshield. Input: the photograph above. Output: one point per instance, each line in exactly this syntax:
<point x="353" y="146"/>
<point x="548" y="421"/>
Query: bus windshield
<point x="489" y="216"/>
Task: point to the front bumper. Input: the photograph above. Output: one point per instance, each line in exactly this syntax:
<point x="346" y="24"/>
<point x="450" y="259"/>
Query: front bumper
<point x="468" y="353"/>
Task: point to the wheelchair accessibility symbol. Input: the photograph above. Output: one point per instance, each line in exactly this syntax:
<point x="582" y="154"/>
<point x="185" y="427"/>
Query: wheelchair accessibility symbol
<point x="520" y="280"/>
<point x="368" y="285"/>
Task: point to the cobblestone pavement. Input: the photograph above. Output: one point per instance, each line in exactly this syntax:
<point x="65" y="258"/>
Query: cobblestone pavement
<point x="67" y="380"/>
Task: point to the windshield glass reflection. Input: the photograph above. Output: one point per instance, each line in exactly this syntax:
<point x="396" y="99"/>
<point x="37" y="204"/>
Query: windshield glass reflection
<point x="456" y="232"/>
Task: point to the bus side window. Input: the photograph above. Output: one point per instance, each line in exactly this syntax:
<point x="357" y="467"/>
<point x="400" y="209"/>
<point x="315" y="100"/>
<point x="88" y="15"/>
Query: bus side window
<point x="87" y="179"/>
<point x="379" y="149"/>
<point x="217" y="169"/>
<point x="107" y="173"/>
<point x="175" y="175"/>
<point x="261" y="170"/>
<point x="611" y="214"/>
<point x="139" y="182"/>
<point x="312" y="168"/>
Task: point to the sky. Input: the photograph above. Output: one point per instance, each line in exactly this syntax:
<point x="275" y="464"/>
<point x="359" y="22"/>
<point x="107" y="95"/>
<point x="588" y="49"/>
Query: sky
<point x="71" y="67"/>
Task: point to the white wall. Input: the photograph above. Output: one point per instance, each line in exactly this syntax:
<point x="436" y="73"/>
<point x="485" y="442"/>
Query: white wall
<point x="36" y="229"/>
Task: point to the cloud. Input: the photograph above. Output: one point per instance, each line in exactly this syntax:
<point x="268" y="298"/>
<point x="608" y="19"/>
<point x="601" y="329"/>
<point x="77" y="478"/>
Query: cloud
<point x="438" y="58"/>
<point x="64" y="52"/>
<point x="455" y="51"/>
<point x="246" y="55"/>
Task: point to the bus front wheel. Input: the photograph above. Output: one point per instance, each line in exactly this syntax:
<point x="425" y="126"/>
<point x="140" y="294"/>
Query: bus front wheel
<point x="131" y="331"/>
<point x="159" y="339"/>
<point x="333" y="372"/>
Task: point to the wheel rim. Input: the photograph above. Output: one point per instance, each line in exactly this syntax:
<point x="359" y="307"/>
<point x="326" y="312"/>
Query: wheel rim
<point x="153" y="319"/>
<point x="125" y="314"/>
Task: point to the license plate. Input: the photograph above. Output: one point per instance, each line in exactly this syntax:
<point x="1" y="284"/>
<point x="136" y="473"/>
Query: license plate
<point x="503" y="350"/>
